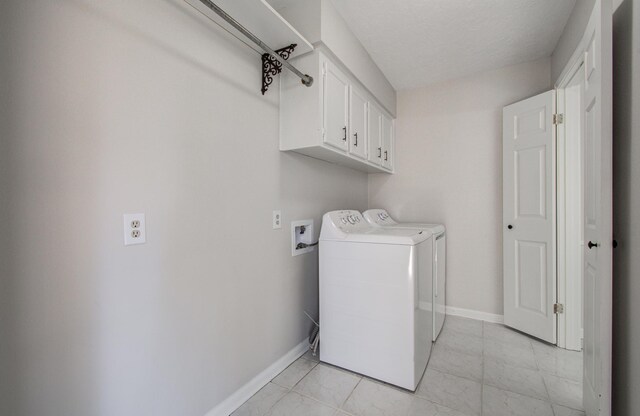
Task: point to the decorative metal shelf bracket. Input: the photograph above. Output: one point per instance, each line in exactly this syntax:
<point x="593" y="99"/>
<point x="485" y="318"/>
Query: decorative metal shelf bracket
<point x="271" y="67"/>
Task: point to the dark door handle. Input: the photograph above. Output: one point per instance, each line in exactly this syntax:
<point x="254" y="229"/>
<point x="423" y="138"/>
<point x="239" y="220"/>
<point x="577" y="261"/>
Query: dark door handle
<point x="385" y="155"/>
<point x="344" y="129"/>
<point x="592" y="245"/>
<point x="356" y="136"/>
<point x="379" y="152"/>
<point x="614" y="243"/>
<point x="510" y="227"/>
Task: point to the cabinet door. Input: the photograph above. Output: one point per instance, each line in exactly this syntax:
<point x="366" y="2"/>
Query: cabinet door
<point x="387" y="142"/>
<point x="357" y="123"/>
<point x="336" y="97"/>
<point x="374" y="133"/>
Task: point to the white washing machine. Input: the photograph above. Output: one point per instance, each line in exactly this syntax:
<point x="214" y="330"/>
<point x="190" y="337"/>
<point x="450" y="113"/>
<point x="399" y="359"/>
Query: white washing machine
<point x="380" y="218"/>
<point x="375" y="284"/>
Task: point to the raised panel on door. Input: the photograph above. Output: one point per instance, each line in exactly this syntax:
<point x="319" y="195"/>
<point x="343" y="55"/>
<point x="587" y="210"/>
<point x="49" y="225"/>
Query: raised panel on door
<point x="528" y="210"/>
<point x="531" y="182"/>
<point x="374" y="133"/>
<point x="531" y="276"/>
<point x="387" y="142"/>
<point x="357" y="123"/>
<point x="335" y="111"/>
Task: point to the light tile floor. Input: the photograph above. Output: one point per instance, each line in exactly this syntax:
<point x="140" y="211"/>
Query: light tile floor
<point x="476" y="369"/>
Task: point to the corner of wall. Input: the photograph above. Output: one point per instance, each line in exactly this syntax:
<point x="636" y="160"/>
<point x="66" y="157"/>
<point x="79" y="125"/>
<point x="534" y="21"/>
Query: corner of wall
<point x="571" y="36"/>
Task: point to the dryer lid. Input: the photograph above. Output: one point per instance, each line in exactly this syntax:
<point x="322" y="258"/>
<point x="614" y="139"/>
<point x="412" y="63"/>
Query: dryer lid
<point x="380" y="218"/>
<point x="350" y="226"/>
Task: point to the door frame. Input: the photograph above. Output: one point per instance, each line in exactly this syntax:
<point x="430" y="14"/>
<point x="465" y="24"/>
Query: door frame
<point x="570" y="332"/>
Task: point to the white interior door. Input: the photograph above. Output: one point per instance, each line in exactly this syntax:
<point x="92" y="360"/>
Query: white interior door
<point x="336" y="98"/>
<point x="357" y="123"/>
<point x="529" y="216"/>
<point x="597" y="212"/>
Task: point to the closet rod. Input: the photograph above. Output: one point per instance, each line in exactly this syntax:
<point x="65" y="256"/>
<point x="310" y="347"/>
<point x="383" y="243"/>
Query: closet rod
<point x="306" y="79"/>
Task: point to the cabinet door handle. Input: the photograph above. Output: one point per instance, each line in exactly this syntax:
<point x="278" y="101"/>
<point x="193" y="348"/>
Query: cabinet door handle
<point x="344" y="138"/>
<point x="356" y="136"/>
<point x="379" y="152"/>
<point x="385" y="155"/>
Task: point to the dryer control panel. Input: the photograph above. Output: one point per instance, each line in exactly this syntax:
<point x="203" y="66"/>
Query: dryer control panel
<point x="340" y="223"/>
<point x="379" y="217"/>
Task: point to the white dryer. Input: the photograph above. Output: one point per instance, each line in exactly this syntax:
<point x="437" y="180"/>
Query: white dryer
<point x="380" y="218"/>
<point x="375" y="284"/>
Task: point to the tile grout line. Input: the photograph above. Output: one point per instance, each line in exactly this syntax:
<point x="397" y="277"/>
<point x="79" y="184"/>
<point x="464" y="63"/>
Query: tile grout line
<point x="291" y="389"/>
<point x="339" y="408"/>
<point x="351" y="393"/>
<point x="277" y="401"/>
<point x="315" y="363"/>
<point x="539" y="371"/>
<point x="315" y="400"/>
<point x="414" y="396"/>
<point x="544" y="382"/>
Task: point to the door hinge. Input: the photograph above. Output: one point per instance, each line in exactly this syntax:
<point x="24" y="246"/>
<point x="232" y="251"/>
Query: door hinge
<point x="558" y="119"/>
<point x="558" y="308"/>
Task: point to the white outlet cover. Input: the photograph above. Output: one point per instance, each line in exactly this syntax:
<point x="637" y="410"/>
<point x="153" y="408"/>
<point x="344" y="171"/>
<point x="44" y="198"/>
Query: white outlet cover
<point x="134" y="234"/>
<point x="277" y="219"/>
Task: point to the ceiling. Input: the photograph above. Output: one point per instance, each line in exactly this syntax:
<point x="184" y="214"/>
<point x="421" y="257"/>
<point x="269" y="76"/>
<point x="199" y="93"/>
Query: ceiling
<point x="420" y="42"/>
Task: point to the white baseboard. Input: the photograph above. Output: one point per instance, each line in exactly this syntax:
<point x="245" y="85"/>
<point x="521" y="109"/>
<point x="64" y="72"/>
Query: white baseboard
<point x="481" y="316"/>
<point x="231" y="403"/>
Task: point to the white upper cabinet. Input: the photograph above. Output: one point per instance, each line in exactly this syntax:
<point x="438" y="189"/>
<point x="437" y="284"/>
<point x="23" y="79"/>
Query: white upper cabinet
<point x="357" y="123"/>
<point x="375" y="134"/>
<point x="387" y="142"/>
<point x="335" y="119"/>
<point x="336" y="107"/>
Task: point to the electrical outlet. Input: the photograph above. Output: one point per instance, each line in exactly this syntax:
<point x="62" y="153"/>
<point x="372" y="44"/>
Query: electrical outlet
<point x="277" y="219"/>
<point x="134" y="229"/>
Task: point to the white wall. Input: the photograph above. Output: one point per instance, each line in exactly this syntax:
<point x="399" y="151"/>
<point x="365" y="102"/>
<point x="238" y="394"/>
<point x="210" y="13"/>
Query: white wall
<point x="143" y="106"/>
<point x="320" y="23"/>
<point x="449" y="170"/>
<point x="626" y="205"/>
<point x="571" y="36"/>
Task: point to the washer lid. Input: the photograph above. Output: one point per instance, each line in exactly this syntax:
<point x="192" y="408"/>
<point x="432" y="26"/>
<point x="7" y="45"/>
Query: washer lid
<point x="380" y="218"/>
<point x="350" y="226"/>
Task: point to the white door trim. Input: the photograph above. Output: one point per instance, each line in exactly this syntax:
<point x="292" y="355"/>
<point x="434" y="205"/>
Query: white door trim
<point x="569" y="285"/>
